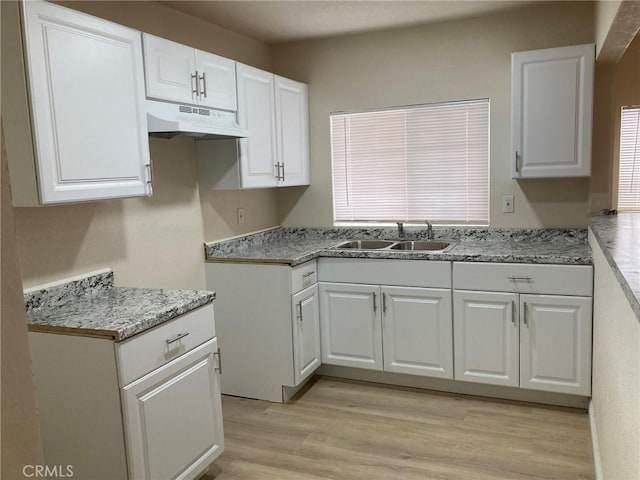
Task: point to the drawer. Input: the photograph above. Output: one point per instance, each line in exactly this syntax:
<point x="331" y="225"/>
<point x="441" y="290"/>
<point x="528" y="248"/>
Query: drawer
<point x="410" y="273"/>
<point x="149" y="350"/>
<point x="524" y="278"/>
<point x="304" y="276"/>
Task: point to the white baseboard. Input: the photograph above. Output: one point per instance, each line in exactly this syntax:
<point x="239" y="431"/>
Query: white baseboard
<point x="594" y="443"/>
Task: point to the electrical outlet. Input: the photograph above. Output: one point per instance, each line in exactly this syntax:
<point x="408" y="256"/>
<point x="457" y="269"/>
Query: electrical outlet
<point x="240" y="216"/>
<point x="507" y="204"/>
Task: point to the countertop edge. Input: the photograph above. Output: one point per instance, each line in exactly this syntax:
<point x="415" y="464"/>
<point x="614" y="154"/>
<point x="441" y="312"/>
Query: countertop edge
<point x="633" y="299"/>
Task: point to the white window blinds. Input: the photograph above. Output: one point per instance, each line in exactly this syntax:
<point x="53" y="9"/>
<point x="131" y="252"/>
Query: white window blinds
<point x="629" y="166"/>
<point x="412" y="163"/>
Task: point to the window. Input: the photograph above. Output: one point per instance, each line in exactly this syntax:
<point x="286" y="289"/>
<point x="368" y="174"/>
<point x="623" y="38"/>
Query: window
<point x="629" y="166"/>
<point x="412" y="164"/>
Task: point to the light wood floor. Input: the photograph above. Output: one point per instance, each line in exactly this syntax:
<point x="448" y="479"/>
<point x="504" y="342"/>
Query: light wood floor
<point x="341" y="429"/>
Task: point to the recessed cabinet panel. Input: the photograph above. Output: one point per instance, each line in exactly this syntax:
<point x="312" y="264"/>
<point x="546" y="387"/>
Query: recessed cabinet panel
<point x="216" y="81"/>
<point x="292" y="122"/>
<point x="306" y="333"/>
<point x="87" y="99"/>
<point x="168" y="426"/>
<point x="486" y="337"/>
<point x="417" y="331"/>
<point x="256" y="113"/>
<point x="170" y="70"/>
<point x="556" y="344"/>
<point x="350" y="325"/>
<point x="552" y="97"/>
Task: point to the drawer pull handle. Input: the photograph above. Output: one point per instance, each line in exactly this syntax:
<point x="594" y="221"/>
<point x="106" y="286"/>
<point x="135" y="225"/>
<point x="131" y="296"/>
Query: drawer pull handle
<point x="219" y="368"/>
<point x="308" y="274"/>
<point x="516" y="279"/>
<point x="177" y="337"/>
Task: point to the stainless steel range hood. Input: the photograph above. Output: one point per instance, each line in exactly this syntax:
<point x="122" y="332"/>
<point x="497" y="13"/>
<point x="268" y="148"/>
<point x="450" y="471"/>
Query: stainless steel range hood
<point x="166" y="120"/>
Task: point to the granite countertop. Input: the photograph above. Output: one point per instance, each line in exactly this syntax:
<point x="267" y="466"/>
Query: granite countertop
<point x="293" y="246"/>
<point x="93" y="306"/>
<point x="619" y="238"/>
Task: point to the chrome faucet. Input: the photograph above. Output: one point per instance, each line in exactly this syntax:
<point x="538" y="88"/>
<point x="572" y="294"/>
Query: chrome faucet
<point x="400" y="230"/>
<point x="429" y="230"/>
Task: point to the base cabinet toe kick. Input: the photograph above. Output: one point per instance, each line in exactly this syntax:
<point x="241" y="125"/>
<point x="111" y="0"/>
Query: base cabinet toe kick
<point x="446" y="325"/>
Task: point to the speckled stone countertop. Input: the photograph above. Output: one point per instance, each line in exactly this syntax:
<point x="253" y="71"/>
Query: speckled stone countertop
<point x="93" y="306"/>
<point x="619" y="238"/>
<point x="293" y="246"/>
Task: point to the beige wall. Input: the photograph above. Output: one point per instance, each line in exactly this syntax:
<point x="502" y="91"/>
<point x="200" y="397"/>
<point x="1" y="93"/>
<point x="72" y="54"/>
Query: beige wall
<point x="616" y="374"/>
<point x="151" y="242"/>
<point x="20" y="430"/>
<point x="448" y="61"/>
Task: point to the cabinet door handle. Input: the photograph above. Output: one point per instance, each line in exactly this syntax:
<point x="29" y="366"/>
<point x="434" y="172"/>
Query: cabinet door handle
<point x="277" y="165"/>
<point x="299" y="312"/>
<point x="514" y="312"/>
<point x="203" y="77"/>
<point x="384" y="303"/>
<point x="282" y="164"/>
<point x="523" y="279"/>
<point x="176" y="338"/>
<point x="375" y="307"/>
<point x="150" y="178"/>
<point x="517" y="165"/>
<point x="219" y="367"/>
<point x="524" y="314"/>
<point x="194" y="84"/>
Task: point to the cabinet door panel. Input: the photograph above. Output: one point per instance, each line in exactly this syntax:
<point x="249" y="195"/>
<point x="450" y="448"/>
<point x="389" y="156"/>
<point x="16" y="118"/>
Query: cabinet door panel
<point x="87" y="96"/>
<point x="417" y="331"/>
<point x="486" y="337"/>
<point x="169" y="68"/>
<point x="306" y="333"/>
<point x="551" y="111"/>
<point x="218" y="87"/>
<point x="292" y="127"/>
<point x="350" y="325"/>
<point x="555" y="350"/>
<point x="256" y="113"/>
<point x="173" y="417"/>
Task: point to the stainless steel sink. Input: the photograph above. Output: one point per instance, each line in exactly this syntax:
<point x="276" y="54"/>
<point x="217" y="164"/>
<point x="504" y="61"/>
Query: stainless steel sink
<point x="364" y="244"/>
<point x="399" y="245"/>
<point x="424" y="245"/>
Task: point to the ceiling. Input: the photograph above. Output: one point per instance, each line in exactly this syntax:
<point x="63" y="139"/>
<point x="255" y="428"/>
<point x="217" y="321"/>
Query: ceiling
<point x="286" y="20"/>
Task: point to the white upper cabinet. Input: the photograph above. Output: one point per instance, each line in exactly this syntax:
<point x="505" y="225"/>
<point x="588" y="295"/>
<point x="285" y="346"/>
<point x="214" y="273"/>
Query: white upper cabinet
<point x="551" y="112"/>
<point x="292" y="127"/>
<point x="275" y="112"/>
<point x="256" y="113"/>
<point x="84" y="76"/>
<point x="182" y="74"/>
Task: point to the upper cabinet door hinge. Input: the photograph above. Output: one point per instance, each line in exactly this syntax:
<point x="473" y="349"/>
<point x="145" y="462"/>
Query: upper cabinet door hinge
<point x="149" y="178"/>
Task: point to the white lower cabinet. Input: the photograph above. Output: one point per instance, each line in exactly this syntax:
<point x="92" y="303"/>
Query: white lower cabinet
<point x="146" y="408"/>
<point x="555" y="343"/>
<point x="173" y="417"/>
<point x="538" y="341"/>
<point x="416" y="332"/>
<point x="306" y="333"/>
<point x="486" y="337"/>
<point x="268" y="327"/>
<point x="395" y="329"/>
<point x="350" y="325"/>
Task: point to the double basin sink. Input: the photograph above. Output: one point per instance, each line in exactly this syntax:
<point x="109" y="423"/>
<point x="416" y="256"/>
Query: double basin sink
<point x="398" y="245"/>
